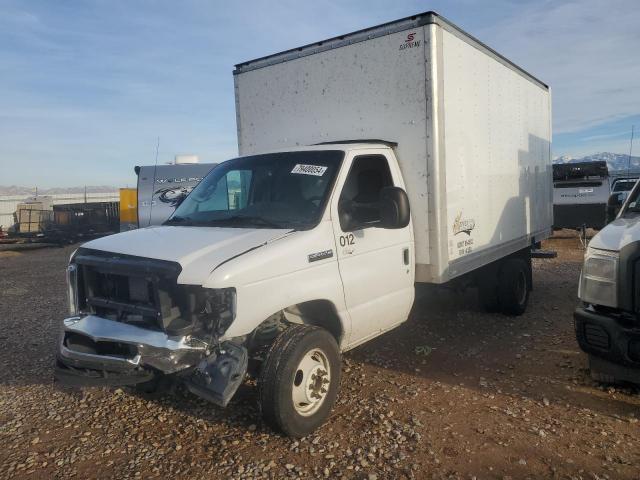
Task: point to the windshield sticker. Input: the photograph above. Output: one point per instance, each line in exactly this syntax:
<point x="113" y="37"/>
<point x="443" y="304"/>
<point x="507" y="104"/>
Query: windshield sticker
<point x="316" y="170"/>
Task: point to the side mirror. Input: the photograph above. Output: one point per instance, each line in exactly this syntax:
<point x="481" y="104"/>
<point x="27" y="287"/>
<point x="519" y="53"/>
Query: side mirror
<point x="613" y="206"/>
<point x="394" y="208"/>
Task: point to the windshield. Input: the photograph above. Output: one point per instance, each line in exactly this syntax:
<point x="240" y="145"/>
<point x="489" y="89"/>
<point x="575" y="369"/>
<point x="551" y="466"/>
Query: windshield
<point x="277" y="190"/>
<point x="633" y="204"/>
<point x="623" y="185"/>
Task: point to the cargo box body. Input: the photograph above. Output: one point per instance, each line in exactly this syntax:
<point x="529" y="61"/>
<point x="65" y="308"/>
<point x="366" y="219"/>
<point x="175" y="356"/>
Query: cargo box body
<point x="473" y="131"/>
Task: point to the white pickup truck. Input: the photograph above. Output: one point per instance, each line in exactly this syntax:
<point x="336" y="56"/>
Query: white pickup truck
<point x="607" y="321"/>
<point x="310" y="242"/>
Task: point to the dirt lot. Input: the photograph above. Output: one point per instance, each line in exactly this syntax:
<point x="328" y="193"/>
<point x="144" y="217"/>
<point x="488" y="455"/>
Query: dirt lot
<point x="454" y="393"/>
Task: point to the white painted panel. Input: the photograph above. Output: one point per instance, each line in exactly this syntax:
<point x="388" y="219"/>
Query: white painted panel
<point x="496" y="141"/>
<point x="473" y="135"/>
<point x="370" y="89"/>
<point x="581" y="192"/>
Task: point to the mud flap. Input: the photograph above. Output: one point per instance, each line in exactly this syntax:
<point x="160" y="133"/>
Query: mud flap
<point x="217" y="377"/>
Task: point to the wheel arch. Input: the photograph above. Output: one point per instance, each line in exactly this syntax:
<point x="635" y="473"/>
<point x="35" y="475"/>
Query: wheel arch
<point x="320" y="313"/>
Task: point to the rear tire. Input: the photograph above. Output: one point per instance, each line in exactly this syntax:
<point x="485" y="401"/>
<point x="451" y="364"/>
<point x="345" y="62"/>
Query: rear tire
<point x="300" y="379"/>
<point x="488" y="294"/>
<point x="514" y="286"/>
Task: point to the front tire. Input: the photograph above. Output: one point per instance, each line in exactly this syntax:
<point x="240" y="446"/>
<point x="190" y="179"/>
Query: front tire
<point x="300" y="380"/>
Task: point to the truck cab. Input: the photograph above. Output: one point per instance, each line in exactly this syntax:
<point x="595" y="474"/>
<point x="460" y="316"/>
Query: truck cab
<point x="607" y="321"/>
<point x="319" y="238"/>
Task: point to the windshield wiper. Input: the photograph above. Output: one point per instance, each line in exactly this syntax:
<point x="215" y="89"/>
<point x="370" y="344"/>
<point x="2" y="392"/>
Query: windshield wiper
<point x="179" y="220"/>
<point x="255" y="220"/>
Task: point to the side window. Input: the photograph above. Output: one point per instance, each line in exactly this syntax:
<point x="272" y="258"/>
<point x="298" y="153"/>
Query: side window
<point x="359" y="200"/>
<point x="231" y="192"/>
<point x="238" y="184"/>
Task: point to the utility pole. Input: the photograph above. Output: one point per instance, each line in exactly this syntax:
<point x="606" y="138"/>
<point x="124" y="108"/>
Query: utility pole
<point x="630" y="150"/>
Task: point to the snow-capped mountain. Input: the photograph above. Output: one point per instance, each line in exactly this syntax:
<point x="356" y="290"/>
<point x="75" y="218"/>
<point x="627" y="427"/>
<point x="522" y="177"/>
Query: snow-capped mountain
<point x="615" y="161"/>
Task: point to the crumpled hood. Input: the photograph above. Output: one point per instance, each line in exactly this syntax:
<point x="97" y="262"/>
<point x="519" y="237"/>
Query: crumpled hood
<point x="617" y="234"/>
<point x="199" y="250"/>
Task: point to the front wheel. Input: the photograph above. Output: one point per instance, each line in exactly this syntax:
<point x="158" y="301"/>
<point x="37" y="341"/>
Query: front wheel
<point x="300" y="379"/>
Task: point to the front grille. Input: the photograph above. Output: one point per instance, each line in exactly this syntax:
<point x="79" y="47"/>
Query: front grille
<point x="133" y="290"/>
<point x="83" y="344"/>
<point x="596" y="336"/>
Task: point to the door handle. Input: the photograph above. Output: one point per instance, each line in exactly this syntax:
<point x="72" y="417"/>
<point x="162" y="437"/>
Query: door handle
<point x="405" y="256"/>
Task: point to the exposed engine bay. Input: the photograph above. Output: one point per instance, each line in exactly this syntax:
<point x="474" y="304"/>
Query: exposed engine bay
<point x="130" y="322"/>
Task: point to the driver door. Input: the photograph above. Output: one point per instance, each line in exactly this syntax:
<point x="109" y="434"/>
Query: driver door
<point x="376" y="264"/>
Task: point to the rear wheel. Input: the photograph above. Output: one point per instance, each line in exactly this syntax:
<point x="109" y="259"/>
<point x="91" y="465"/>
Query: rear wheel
<point x="514" y="286"/>
<point x="300" y="379"/>
<point x="488" y="293"/>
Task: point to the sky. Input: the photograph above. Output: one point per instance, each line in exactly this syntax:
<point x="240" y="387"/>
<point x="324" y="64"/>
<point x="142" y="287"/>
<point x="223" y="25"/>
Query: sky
<point x="88" y="87"/>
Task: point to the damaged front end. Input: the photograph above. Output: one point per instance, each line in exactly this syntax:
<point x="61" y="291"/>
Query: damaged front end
<point x="132" y="322"/>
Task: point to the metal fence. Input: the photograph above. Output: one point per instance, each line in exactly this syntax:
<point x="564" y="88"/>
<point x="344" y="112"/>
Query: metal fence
<point x="8" y="203"/>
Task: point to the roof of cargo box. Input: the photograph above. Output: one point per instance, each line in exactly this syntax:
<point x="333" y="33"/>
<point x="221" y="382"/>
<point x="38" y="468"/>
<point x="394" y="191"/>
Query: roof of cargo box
<point x="426" y="18"/>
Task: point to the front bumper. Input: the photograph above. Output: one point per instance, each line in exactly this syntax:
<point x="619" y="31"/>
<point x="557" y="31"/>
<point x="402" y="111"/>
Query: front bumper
<point x="607" y="337"/>
<point x="97" y="351"/>
<point x="94" y="350"/>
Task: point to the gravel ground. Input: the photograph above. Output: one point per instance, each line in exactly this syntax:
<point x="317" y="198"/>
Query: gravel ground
<point x="453" y="393"/>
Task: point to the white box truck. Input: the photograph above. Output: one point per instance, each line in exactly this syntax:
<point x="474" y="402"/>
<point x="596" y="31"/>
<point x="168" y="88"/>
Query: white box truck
<point x="329" y="228"/>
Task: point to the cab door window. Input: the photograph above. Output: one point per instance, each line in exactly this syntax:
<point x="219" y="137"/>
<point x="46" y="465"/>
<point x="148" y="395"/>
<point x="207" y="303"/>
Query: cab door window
<point x="359" y="204"/>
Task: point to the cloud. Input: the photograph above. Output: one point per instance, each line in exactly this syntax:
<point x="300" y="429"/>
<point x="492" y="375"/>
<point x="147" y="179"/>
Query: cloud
<point x="87" y="87"/>
<point x="604" y="136"/>
<point x="586" y="50"/>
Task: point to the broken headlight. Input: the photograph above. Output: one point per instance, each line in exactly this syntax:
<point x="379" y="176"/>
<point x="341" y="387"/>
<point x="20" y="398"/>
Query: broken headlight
<point x="221" y="306"/>
<point x="202" y="312"/>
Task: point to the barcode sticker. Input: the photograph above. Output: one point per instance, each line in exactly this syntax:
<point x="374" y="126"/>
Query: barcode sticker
<point x="316" y="170"/>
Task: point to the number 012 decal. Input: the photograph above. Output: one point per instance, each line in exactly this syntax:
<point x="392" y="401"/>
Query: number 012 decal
<point x="348" y="239"/>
